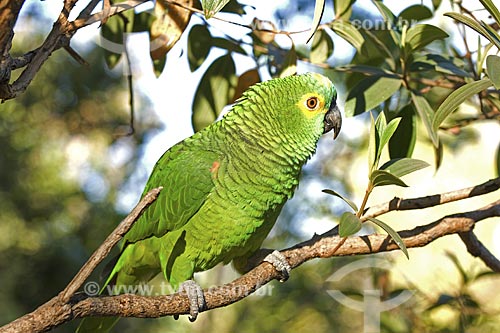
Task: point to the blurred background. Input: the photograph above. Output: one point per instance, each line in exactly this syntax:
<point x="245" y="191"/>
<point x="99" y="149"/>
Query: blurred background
<point x="71" y="169"/>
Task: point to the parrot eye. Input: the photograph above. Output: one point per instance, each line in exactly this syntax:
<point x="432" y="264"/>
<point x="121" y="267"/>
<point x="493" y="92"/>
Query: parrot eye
<point x="312" y="103"/>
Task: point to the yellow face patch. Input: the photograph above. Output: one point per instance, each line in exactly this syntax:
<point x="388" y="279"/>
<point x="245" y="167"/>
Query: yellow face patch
<point x="311" y="104"/>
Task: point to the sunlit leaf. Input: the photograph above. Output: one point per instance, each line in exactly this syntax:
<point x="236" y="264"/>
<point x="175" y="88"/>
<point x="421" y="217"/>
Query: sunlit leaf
<point x="389" y="131"/>
<point x="349" y="224"/>
<point x="384" y="178"/>
<point x="421" y="35"/>
<point x="319" y="7"/>
<point x="373" y="141"/>
<point x="492" y="9"/>
<point x="321" y="48"/>
<point x="370" y="93"/>
<point x="343" y="9"/>
<point x="393" y="233"/>
<point x="212" y="7"/>
<point x="215" y="90"/>
<point x="403" y="140"/>
<point x="403" y="166"/>
<point x="348" y="32"/>
<point x="289" y="65"/>
<point x="453" y="101"/>
<point x="168" y="26"/>
<point x="426" y="113"/>
<point x="473" y="24"/>
<point x="198" y="46"/>
<point x="493" y="69"/>
<point x="349" y="202"/>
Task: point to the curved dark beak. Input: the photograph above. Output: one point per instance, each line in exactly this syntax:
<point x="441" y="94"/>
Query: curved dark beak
<point x="333" y="119"/>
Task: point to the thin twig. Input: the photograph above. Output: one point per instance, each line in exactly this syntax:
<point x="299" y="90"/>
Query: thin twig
<point x="432" y="200"/>
<point x="103" y="250"/>
<point x="477" y="249"/>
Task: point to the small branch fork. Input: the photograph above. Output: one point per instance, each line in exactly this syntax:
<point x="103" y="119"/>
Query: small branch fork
<point x="70" y="305"/>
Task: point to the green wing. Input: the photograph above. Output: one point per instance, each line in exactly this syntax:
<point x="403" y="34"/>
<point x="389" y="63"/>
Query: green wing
<point x="185" y="172"/>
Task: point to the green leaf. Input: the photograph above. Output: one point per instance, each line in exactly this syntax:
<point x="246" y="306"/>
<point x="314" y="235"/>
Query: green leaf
<point x="473" y="24"/>
<point x="319" y="7"/>
<point x="393" y="233"/>
<point x="349" y="224"/>
<point x="112" y="40"/>
<point x="414" y="13"/>
<point x="321" y="48"/>
<point x="498" y="161"/>
<point x="289" y="65"/>
<point x="389" y="131"/>
<point x="426" y="113"/>
<point x="492" y="33"/>
<point x="212" y="7"/>
<point x="349" y="202"/>
<point x="493" y="69"/>
<point x="384" y="178"/>
<point x="343" y="9"/>
<point x="453" y="101"/>
<point x="198" y="46"/>
<point x="370" y="93"/>
<point x="436" y="4"/>
<point x="438" y="155"/>
<point x="390" y="20"/>
<point x="490" y="7"/>
<point x="403" y="141"/>
<point x="215" y="90"/>
<point x="372" y="145"/>
<point x="437" y="63"/>
<point x="403" y="166"/>
<point x="226" y="44"/>
<point x="421" y="35"/>
<point x="348" y="32"/>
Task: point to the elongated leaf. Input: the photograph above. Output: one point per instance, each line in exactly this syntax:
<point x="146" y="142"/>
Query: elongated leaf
<point x="372" y="145"/>
<point x="490" y="7"/>
<point x="498" y="161"/>
<point x="438" y="63"/>
<point x="473" y="24"/>
<point x="421" y="35"/>
<point x="349" y="224"/>
<point x="426" y="113"/>
<point x="343" y="9"/>
<point x="321" y="48"/>
<point x="493" y="69"/>
<point x="384" y="178"/>
<point x="215" y="90"/>
<point x="403" y="140"/>
<point x="393" y="233"/>
<point x="452" y="102"/>
<point x="369" y="70"/>
<point x="390" y="20"/>
<point x="388" y="132"/>
<point x="212" y="7"/>
<point x="403" y="166"/>
<point x="112" y="36"/>
<point x="492" y="33"/>
<point x="319" y="7"/>
<point x="349" y="202"/>
<point x="348" y="32"/>
<point x="369" y="93"/>
<point x="198" y="46"/>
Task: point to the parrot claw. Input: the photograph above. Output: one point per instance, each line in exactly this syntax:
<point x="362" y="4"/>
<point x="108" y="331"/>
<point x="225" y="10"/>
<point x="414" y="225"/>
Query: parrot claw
<point x="280" y="263"/>
<point x="196" y="298"/>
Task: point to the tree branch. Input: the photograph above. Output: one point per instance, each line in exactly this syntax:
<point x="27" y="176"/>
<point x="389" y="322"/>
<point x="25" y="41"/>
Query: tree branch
<point x="432" y="200"/>
<point x="477" y="249"/>
<point x="56" y="312"/>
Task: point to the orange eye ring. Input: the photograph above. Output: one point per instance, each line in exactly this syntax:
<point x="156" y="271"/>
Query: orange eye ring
<point x="312" y="103"/>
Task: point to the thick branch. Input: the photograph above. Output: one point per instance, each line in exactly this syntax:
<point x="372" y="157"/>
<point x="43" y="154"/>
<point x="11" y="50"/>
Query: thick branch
<point x="55" y="312"/>
<point x="477" y="249"/>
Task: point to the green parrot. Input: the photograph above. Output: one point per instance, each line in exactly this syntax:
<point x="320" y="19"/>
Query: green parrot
<point x="224" y="187"/>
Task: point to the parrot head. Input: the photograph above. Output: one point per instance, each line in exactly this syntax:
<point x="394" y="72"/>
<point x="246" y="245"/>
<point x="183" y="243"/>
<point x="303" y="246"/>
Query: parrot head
<point x="301" y="107"/>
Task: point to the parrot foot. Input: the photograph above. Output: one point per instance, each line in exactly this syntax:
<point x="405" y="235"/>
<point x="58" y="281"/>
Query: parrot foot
<point x="196" y="298"/>
<point x="280" y="263"/>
